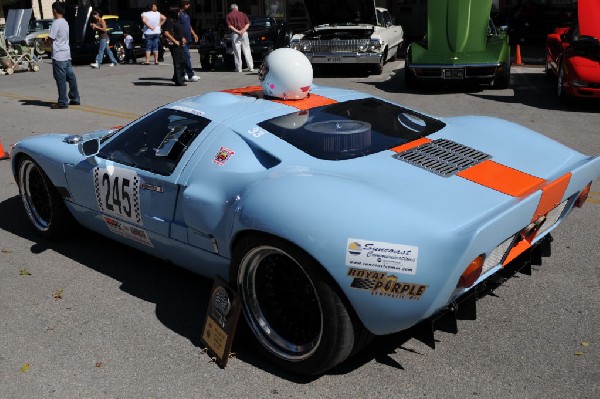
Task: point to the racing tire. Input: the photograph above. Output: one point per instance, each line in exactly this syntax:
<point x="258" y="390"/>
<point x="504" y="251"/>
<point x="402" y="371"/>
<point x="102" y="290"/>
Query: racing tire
<point x="298" y="317"/>
<point x="410" y="81"/>
<point x="119" y="51"/>
<point x="502" y="80"/>
<point x="46" y="210"/>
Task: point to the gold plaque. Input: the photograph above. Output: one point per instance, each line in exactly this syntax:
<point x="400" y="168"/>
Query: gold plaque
<point x="221" y="320"/>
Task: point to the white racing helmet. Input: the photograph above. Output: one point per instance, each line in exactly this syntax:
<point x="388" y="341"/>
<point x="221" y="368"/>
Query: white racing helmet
<point x="287" y="74"/>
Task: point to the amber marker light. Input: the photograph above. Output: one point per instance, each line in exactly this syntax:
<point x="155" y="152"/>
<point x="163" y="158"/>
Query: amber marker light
<point x="583" y="196"/>
<point x="471" y="273"/>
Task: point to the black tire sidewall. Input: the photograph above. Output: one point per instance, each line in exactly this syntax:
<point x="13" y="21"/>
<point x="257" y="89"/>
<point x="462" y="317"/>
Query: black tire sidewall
<point x="340" y="325"/>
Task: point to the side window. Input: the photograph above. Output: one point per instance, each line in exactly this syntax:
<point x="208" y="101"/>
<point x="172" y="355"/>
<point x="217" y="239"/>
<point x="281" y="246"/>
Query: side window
<point x="157" y="142"/>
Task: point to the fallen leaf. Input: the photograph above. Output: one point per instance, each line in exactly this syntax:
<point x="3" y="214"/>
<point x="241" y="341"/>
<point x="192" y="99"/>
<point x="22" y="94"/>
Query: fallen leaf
<point x="585" y="344"/>
<point x="24" y="272"/>
<point x="58" y="294"/>
<point x="579" y="353"/>
<point x="98" y="364"/>
<point x="24" y="368"/>
<point x="6" y="251"/>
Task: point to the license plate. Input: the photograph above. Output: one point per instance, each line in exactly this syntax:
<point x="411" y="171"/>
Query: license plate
<point x="454" y="73"/>
<point x="334" y="59"/>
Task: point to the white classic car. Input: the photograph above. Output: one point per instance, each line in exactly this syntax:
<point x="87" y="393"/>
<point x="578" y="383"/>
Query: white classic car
<point x="349" y="32"/>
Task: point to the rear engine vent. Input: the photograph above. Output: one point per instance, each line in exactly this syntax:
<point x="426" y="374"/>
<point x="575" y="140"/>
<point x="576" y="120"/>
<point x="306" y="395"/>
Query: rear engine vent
<point x="443" y="157"/>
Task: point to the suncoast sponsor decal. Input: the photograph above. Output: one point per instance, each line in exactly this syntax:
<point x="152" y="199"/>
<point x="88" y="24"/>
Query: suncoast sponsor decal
<point x="385" y="284"/>
<point x="399" y="258"/>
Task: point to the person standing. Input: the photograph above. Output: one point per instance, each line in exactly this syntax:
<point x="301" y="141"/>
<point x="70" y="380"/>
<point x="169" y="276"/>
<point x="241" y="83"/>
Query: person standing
<point x="239" y="23"/>
<point x="128" y="42"/>
<point x="152" y="20"/>
<point x="102" y="30"/>
<point x="188" y="33"/>
<point x="62" y="69"/>
<point x="174" y="35"/>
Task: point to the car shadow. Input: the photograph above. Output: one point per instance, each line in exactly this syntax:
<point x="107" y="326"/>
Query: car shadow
<point x="181" y="297"/>
<point x="537" y="90"/>
<point x="154" y="81"/>
<point x="38" y="103"/>
<point x="532" y="88"/>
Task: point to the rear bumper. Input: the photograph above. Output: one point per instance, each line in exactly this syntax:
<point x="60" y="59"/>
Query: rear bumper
<point x="453" y="73"/>
<point x="464" y="307"/>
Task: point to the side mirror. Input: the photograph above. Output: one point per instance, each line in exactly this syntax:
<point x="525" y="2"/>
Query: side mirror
<point x="89" y="148"/>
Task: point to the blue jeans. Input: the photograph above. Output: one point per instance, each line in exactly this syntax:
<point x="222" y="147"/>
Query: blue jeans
<point x="103" y="48"/>
<point x="63" y="73"/>
<point x="188" y="61"/>
<point x="151" y="42"/>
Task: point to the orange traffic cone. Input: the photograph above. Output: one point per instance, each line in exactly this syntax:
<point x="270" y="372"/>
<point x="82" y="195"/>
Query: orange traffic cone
<point x="3" y="154"/>
<point x="518" y="60"/>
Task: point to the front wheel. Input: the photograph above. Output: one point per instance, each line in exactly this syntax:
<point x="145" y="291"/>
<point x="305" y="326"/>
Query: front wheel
<point x="297" y="315"/>
<point x="562" y="96"/>
<point x="38" y="47"/>
<point x="119" y="50"/>
<point x="378" y="68"/>
<point x="44" y="206"/>
<point x="502" y="79"/>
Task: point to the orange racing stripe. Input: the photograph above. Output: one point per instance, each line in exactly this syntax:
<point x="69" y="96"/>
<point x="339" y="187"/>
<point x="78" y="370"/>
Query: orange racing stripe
<point x="411" y="144"/>
<point x="502" y="178"/>
<point x="552" y="194"/>
<point x="312" y="101"/>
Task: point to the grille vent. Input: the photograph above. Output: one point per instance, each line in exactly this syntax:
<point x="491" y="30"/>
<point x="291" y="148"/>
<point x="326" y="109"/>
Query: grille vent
<point x="443" y="157"/>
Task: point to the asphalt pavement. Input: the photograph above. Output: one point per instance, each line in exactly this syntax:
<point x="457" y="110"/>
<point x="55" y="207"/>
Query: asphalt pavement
<point x="88" y="318"/>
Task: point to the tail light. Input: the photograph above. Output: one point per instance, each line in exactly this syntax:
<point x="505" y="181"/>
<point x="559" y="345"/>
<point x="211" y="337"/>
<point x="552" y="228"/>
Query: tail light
<point x="583" y="196"/>
<point x="471" y="273"/>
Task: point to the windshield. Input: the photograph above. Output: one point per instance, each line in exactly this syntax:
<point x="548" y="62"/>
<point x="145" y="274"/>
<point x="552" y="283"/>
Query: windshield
<point x="351" y="129"/>
<point x="155" y="143"/>
<point x="261" y="22"/>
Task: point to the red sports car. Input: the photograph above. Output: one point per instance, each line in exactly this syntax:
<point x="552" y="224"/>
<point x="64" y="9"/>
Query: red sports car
<point x="573" y="54"/>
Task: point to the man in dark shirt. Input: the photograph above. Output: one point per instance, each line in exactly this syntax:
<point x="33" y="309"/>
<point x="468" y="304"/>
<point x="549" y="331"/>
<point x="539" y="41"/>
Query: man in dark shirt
<point x="239" y="23"/>
<point x="174" y="34"/>
<point x="189" y="34"/>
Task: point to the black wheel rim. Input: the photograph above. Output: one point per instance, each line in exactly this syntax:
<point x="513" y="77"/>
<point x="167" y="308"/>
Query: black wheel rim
<point x="281" y="304"/>
<point x="35" y="195"/>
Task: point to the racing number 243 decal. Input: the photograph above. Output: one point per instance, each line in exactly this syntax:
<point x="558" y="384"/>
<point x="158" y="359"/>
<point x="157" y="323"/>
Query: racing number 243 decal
<point x="117" y="192"/>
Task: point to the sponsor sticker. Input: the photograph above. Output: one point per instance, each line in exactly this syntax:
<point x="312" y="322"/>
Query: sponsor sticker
<point x="118" y="192"/>
<point x="398" y="258"/>
<point x="385" y="284"/>
<point x="222" y="156"/>
<point x="127" y="231"/>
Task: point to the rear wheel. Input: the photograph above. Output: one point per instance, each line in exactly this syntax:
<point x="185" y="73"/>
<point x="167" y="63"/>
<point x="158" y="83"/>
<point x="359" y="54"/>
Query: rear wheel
<point x="44" y="206"/>
<point x="295" y="311"/>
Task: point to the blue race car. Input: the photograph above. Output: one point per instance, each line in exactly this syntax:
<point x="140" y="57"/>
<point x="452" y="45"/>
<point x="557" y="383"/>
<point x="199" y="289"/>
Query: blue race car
<point x="337" y="217"/>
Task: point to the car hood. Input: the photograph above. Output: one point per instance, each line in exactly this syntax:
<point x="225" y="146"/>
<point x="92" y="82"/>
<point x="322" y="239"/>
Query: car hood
<point x="17" y="24"/>
<point x="589" y="15"/>
<point x="458" y="25"/>
<point x="341" y="12"/>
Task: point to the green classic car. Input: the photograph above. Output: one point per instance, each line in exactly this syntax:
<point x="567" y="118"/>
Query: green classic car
<point x="462" y="45"/>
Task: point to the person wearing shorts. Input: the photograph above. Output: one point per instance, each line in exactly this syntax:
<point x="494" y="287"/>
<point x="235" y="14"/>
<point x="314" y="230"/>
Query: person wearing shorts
<point x="152" y="20"/>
